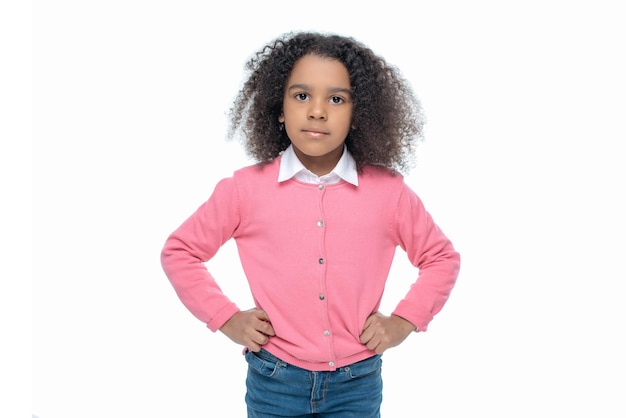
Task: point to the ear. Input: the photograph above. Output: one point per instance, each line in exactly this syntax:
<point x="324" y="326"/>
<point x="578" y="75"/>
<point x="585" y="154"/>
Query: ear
<point x="281" y="118"/>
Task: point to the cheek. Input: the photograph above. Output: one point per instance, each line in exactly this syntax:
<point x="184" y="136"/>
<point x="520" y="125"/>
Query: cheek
<point x="347" y="121"/>
<point x="290" y="115"/>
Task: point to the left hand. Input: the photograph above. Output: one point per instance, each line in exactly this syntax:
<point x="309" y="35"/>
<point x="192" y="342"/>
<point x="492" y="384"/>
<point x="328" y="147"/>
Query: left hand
<point x="381" y="332"/>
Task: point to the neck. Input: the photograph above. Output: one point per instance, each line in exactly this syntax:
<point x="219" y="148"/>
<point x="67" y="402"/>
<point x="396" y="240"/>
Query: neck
<point x="319" y="170"/>
<point x="320" y="165"/>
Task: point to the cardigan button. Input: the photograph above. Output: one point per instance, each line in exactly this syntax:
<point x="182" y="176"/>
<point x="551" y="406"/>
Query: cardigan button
<point x="321" y="187"/>
<point x="321" y="261"/>
<point x="322" y="296"/>
<point x="320" y="223"/>
<point x="331" y="363"/>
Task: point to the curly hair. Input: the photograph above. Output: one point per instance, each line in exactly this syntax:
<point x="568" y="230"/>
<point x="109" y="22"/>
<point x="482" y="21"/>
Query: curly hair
<point x="387" y="117"/>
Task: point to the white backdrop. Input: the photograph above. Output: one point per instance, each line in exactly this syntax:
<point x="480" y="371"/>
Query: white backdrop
<point x="522" y="167"/>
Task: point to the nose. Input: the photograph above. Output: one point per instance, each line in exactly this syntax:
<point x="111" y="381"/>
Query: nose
<point x="317" y="109"/>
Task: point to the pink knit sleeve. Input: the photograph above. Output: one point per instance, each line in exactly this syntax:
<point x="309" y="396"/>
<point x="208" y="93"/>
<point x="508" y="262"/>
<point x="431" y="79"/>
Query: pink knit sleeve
<point x="432" y="252"/>
<point x="192" y="244"/>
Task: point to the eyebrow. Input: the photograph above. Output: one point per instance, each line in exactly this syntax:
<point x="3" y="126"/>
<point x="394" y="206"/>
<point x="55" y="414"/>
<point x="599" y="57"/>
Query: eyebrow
<point x="330" y="90"/>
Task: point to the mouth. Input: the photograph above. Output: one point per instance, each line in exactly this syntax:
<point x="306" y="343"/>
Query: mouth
<point x="315" y="133"/>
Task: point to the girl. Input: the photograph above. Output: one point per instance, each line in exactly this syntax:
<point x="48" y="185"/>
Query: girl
<point x="316" y="221"/>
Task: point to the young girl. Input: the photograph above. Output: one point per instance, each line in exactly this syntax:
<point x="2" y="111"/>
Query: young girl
<point x="317" y="221"/>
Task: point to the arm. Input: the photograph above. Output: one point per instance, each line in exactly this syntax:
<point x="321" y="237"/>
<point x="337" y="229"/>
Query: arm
<point x="432" y="253"/>
<point x="192" y="244"/>
<point x="438" y="263"/>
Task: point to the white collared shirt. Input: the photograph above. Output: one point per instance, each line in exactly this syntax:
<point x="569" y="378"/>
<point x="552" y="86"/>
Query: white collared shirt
<point x="291" y="166"/>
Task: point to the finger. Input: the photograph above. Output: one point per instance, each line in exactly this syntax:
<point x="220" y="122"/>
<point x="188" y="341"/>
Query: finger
<point x="269" y="330"/>
<point x="366" y="336"/>
<point x="369" y="337"/>
<point x="368" y="321"/>
<point x="368" y="331"/>
<point x="262" y="315"/>
<point x="260" y="339"/>
<point x="253" y="347"/>
<point x="254" y="340"/>
<point x="373" y="343"/>
<point x="265" y="328"/>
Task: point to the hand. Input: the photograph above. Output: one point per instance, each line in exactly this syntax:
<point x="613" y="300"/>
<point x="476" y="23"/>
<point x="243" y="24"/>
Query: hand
<point x="251" y="328"/>
<point x="381" y="332"/>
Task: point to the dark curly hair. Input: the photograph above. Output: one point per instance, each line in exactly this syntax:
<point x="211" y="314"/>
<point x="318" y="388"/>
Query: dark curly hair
<point x="387" y="116"/>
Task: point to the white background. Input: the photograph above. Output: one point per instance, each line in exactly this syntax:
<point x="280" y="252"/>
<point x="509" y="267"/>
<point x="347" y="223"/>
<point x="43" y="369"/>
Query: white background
<point x="522" y="167"/>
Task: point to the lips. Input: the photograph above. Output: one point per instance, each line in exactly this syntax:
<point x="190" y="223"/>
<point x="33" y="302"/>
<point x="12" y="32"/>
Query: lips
<point x="315" y="132"/>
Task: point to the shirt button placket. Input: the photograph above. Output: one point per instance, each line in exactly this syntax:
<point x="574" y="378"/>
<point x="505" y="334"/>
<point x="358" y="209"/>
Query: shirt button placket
<point x="320" y="224"/>
<point x="321" y="260"/>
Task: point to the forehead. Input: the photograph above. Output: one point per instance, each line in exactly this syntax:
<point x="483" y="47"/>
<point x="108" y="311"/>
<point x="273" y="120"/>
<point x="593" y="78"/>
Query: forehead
<point x="314" y="70"/>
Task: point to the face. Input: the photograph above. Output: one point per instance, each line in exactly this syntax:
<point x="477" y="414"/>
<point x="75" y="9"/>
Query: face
<point x="317" y="111"/>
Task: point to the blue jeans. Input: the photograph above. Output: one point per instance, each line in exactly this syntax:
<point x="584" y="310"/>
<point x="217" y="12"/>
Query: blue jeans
<point x="278" y="389"/>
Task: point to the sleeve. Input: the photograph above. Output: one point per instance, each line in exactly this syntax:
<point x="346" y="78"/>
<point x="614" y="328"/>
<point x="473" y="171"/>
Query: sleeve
<point x="195" y="242"/>
<point x="432" y="253"/>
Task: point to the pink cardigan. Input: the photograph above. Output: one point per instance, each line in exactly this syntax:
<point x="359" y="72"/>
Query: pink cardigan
<point x="316" y="258"/>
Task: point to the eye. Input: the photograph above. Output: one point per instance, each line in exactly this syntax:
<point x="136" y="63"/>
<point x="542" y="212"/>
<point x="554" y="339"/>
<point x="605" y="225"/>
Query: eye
<point x="336" y="100"/>
<point x="301" y="96"/>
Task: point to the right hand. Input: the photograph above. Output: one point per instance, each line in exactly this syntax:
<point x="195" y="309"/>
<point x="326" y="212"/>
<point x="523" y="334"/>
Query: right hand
<point x="251" y="328"/>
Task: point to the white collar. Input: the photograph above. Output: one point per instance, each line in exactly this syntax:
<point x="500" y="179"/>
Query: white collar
<point x="291" y="166"/>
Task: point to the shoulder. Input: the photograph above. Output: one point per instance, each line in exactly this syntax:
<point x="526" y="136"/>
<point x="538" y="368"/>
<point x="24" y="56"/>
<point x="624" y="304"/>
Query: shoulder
<point x="250" y="179"/>
<point x="380" y="183"/>
<point x="244" y="184"/>
<point x="247" y="175"/>
<point x="374" y="174"/>
<point x="258" y="171"/>
<point x="383" y="181"/>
